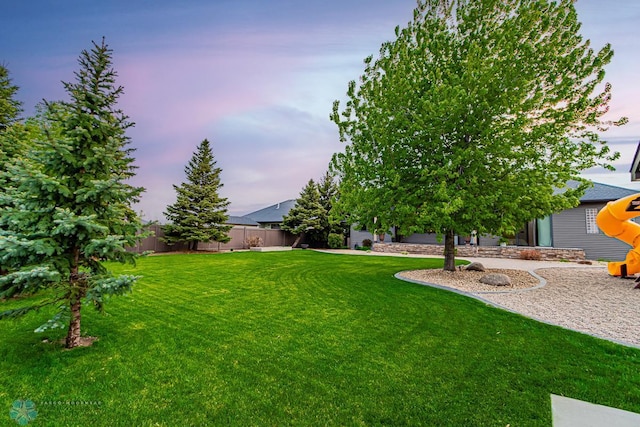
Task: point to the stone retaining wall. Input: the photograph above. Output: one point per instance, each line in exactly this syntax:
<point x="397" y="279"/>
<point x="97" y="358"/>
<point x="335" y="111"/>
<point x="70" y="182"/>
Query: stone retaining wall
<point x="546" y="254"/>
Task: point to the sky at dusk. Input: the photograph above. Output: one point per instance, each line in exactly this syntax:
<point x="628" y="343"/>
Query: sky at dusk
<point x="257" y="78"/>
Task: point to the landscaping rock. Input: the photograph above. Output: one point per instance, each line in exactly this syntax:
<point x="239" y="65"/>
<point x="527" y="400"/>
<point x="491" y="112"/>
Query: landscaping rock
<point x="496" y="279"/>
<point x="475" y="266"/>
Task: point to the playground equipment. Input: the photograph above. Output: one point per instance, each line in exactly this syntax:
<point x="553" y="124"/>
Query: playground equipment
<point x="615" y="221"/>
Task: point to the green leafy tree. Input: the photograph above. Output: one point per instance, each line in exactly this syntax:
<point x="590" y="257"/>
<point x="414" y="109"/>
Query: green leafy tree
<point x="199" y="213"/>
<point x="472" y="119"/>
<point x="308" y="218"/>
<point x="10" y="108"/>
<point x="69" y="208"/>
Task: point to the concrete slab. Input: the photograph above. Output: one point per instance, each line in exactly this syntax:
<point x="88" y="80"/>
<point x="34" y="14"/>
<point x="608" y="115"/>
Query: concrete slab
<point x="567" y="412"/>
<point x="271" y="248"/>
<point x="508" y="263"/>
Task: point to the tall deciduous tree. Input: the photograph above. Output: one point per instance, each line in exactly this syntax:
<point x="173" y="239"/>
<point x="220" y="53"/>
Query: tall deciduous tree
<point x="473" y="118"/>
<point x="307" y="219"/>
<point x="10" y="107"/>
<point x="70" y="206"/>
<point x="199" y="213"/>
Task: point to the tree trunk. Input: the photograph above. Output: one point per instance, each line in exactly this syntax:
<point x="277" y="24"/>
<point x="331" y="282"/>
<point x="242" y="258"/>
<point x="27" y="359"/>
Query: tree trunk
<point x="75" y="302"/>
<point x="73" y="336"/>
<point x="298" y="239"/>
<point x="449" y="251"/>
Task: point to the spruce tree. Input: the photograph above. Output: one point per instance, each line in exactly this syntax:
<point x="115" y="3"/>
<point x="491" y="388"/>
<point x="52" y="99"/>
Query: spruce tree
<point x="328" y="192"/>
<point x="307" y="218"/>
<point x="199" y="213"/>
<point x="10" y="108"/>
<point x="70" y="207"/>
<point x="15" y="141"/>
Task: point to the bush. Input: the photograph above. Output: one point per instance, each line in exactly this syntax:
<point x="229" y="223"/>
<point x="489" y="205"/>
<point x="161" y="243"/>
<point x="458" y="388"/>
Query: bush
<point x="531" y="254"/>
<point x="335" y="240"/>
<point x="366" y="243"/>
<point x="253" y="241"/>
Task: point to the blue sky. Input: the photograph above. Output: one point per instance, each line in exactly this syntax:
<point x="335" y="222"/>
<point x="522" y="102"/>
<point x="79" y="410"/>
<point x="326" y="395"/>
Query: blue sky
<point x="255" y="77"/>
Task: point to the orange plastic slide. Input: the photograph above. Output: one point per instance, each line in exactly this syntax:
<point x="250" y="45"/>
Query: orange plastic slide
<point x="615" y="221"/>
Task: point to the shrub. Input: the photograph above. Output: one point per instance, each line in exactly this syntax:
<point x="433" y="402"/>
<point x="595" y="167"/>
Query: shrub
<point x="531" y="254"/>
<point x="335" y="240"/>
<point x="366" y="243"/>
<point x="253" y="241"/>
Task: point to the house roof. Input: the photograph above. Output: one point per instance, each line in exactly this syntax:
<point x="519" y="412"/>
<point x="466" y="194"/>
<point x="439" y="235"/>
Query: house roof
<point x="602" y="192"/>
<point x="273" y="213"/>
<point x="635" y="165"/>
<point x="240" y="220"/>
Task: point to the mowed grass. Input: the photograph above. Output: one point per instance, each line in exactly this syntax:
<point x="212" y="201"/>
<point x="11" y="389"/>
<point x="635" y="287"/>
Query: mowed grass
<point x="304" y="338"/>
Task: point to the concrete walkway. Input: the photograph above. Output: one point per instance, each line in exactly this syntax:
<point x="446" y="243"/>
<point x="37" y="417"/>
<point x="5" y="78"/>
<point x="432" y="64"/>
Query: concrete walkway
<point x="568" y="412"/>
<point x="514" y="264"/>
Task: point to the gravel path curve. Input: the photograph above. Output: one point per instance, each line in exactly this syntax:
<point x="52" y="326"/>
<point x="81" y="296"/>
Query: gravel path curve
<point x="584" y="299"/>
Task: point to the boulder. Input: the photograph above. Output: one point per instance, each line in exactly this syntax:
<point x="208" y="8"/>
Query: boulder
<point x="475" y="266"/>
<point x="496" y="279"/>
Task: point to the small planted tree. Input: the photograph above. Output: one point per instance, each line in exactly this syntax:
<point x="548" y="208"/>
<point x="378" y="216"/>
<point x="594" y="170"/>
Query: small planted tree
<point x="307" y="218"/>
<point x="69" y="206"/>
<point x="199" y="213"/>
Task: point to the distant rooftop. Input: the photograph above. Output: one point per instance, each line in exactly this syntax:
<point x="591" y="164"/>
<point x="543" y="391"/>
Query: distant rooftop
<point x="240" y="220"/>
<point x="273" y="213"/>
<point x="602" y="192"/>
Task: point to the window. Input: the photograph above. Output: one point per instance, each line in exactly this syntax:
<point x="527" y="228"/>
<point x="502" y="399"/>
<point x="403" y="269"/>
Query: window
<point x="592" y="227"/>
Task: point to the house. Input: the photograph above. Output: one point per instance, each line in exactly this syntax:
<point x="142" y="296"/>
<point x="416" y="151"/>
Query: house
<point x="272" y="216"/>
<point x="571" y="228"/>
<point x="576" y="228"/>
<point x="635" y="165"/>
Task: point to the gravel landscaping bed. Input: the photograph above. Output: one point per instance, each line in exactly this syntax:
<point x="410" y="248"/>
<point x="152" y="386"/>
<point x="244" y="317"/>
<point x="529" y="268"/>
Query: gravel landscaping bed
<point x="469" y="281"/>
<point x="583" y="299"/>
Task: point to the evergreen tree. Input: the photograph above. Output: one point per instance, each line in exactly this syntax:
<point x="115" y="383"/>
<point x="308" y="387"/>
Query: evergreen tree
<point x="199" y="213"/>
<point x="338" y="220"/>
<point x="15" y="141"/>
<point x="308" y="217"/>
<point x="473" y="118"/>
<point x="70" y="207"/>
<point x="17" y="138"/>
<point x="10" y="108"/>
<point x="329" y="192"/>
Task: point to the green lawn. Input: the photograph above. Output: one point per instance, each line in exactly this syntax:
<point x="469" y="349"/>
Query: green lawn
<point x="304" y="338"/>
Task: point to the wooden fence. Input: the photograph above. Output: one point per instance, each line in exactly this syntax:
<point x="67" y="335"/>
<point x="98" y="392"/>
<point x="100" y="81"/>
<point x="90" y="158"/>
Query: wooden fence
<point x="238" y="235"/>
